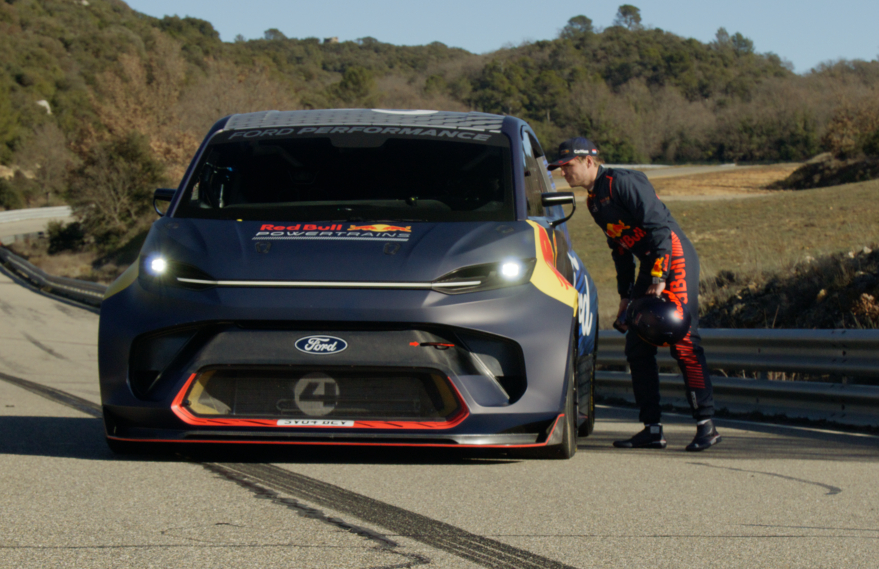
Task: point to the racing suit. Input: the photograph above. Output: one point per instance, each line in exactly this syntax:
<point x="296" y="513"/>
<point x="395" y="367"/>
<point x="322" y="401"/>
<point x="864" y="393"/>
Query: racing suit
<point x="637" y="224"/>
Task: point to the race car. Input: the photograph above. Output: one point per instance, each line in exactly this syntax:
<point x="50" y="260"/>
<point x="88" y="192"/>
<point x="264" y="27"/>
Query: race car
<point x="356" y="277"/>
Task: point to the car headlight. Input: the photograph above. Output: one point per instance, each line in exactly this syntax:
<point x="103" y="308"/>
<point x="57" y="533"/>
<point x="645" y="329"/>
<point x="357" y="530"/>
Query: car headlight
<point x="160" y="268"/>
<point x="489" y="276"/>
<point x="156" y="265"/>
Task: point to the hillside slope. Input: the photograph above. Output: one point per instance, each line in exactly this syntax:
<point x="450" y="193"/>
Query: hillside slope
<point x="836" y="291"/>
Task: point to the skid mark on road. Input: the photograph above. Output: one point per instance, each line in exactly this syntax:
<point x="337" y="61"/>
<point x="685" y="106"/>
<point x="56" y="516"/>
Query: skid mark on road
<point x="56" y="395"/>
<point x="832" y="490"/>
<point x="384" y="543"/>
<point x="436" y="534"/>
<point x="42" y="346"/>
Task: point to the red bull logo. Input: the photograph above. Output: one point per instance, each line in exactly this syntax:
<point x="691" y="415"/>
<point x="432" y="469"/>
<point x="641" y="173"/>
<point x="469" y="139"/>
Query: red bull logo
<point x="615" y="230"/>
<point x="333" y="232"/>
<point x="657" y="267"/>
<point x="679" y="307"/>
<point x="381" y="228"/>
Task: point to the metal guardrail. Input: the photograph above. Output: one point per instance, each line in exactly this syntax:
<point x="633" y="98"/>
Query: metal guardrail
<point x="840" y="403"/>
<point x="35" y="213"/>
<point x="844" y="352"/>
<point x="819" y="352"/>
<point x="824" y="352"/>
<point x="83" y="291"/>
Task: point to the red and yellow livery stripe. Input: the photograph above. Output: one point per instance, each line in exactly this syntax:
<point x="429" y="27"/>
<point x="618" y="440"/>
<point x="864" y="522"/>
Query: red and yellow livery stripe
<point x="546" y="277"/>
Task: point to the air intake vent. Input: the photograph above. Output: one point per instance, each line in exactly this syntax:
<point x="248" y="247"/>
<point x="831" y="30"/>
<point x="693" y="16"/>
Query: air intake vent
<point x="151" y="355"/>
<point x="326" y="393"/>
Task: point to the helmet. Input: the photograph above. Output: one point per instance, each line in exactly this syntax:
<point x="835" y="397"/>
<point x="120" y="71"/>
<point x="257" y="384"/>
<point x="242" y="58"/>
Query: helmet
<point x="661" y="321"/>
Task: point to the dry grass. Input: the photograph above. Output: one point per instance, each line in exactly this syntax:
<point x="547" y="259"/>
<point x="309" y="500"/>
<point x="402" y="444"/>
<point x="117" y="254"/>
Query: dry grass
<point x="749" y="180"/>
<point x="678" y="182"/>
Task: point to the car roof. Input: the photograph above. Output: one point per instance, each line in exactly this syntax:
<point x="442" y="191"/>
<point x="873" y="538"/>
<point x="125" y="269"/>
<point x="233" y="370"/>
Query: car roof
<point x="482" y="122"/>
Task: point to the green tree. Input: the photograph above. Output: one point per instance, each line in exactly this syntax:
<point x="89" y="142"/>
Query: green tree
<point x="721" y="38"/>
<point x="501" y="88"/>
<point x="742" y="45"/>
<point x="356" y="87"/>
<point x="274" y="34"/>
<point x="8" y="124"/>
<point x="10" y="197"/>
<point x="577" y="26"/>
<point x="435" y="84"/>
<point x="628" y="16"/>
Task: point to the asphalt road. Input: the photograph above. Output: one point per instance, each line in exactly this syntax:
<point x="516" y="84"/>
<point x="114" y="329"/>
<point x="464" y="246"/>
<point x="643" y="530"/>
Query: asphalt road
<point x="765" y="497"/>
<point x="9" y="230"/>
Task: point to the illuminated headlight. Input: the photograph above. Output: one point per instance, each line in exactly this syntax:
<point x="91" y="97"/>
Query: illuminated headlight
<point x="511" y="270"/>
<point x="157" y="265"/>
<point x="159" y="269"/>
<point x="489" y="276"/>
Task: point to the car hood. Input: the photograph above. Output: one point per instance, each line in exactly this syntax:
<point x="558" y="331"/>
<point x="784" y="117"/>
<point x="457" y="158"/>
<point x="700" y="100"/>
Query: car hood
<point x="336" y="251"/>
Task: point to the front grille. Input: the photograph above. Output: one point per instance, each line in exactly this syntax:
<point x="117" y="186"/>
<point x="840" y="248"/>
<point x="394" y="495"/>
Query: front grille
<point x="384" y="394"/>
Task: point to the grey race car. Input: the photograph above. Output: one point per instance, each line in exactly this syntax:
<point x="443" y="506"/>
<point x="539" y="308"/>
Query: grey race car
<point x="356" y="277"/>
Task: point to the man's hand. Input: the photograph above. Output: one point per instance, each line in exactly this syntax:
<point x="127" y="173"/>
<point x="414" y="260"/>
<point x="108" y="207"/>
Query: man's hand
<point x="620" y="323"/>
<point x="655" y="289"/>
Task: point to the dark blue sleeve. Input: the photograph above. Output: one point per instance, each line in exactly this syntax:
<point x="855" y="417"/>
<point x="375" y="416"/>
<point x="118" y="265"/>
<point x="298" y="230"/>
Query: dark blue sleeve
<point x="636" y="194"/>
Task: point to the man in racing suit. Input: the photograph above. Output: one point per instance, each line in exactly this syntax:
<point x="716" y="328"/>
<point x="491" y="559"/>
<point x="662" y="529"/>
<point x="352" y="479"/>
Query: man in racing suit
<point x="638" y="225"/>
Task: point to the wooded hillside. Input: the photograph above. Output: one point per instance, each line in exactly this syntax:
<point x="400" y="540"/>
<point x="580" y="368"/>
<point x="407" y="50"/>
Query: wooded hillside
<point x="95" y="96"/>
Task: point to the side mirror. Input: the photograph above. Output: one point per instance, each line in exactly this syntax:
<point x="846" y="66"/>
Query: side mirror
<point x="164" y="195"/>
<point x="559" y="198"/>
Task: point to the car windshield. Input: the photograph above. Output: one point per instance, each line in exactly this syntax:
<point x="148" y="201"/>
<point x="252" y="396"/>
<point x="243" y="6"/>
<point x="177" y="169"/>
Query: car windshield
<point x="353" y="177"/>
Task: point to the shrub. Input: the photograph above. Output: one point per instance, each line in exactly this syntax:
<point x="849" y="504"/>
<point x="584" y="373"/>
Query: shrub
<point x="853" y="129"/>
<point x="70" y="237"/>
<point x="111" y="190"/>
<point x="10" y="198"/>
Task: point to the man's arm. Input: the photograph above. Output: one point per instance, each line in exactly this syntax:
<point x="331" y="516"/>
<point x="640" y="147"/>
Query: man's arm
<point x="637" y="195"/>
<point x="624" y="261"/>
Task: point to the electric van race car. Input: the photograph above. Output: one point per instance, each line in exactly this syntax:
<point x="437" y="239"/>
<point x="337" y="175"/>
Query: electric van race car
<point x="356" y="277"/>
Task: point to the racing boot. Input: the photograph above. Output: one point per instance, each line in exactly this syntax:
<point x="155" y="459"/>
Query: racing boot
<point x="650" y="437"/>
<point x="706" y="436"/>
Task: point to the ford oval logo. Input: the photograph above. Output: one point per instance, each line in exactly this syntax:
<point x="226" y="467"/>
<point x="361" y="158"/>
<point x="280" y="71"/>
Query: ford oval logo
<point x="321" y="345"/>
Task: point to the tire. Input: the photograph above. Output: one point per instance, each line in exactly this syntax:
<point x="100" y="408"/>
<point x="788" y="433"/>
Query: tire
<point x="569" y="439"/>
<point x="586" y="383"/>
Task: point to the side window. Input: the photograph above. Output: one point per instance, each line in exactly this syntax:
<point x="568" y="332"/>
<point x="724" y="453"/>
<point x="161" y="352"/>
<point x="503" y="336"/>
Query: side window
<point x="534" y="185"/>
<point x="545" y="182"/>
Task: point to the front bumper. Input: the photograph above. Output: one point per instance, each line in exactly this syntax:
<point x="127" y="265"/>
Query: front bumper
<point x="523" y="336"/>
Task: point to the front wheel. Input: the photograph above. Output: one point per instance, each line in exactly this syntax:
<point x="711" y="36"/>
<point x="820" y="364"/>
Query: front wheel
<point x="586" y="391"/>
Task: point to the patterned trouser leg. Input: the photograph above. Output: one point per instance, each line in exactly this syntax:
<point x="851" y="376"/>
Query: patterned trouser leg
<point x="684" y="283"/>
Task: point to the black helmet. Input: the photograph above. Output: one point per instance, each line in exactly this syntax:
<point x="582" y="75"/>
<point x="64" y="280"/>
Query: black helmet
<point x="661" y="321"/>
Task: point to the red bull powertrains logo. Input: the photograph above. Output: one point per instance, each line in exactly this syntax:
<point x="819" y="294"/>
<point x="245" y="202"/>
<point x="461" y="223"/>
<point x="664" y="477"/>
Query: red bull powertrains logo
<point x="333" y="231"/>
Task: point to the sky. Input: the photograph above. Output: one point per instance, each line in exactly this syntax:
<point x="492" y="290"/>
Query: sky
<point x="803" y="32"/>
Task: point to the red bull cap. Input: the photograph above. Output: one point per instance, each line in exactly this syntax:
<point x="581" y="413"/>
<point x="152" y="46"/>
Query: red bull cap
<point x="571" y="148"/>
